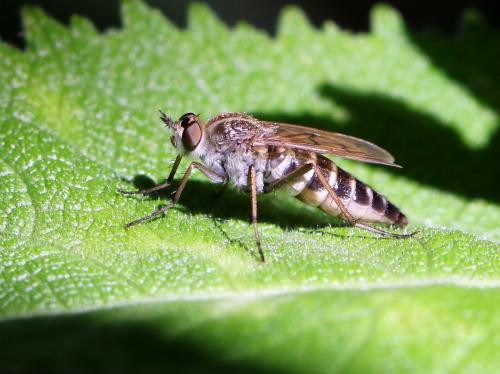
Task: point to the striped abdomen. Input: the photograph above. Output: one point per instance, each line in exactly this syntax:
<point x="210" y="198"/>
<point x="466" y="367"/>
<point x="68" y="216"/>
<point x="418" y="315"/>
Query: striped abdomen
<point x="362" y="202"/>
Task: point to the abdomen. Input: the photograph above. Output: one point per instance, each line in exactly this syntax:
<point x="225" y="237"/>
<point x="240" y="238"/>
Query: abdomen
<point x="362" y="202"/>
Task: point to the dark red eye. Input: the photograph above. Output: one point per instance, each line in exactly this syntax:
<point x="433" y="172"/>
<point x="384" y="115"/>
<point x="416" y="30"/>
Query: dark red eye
<point x="191" y="136"/>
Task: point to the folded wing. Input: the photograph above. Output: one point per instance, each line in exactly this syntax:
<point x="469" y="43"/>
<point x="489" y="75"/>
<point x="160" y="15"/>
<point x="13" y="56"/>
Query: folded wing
<point x="319" y="141"/>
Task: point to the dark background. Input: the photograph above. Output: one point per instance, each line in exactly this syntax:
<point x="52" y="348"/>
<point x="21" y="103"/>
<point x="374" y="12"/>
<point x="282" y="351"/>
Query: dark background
<point x="354" y="14"/>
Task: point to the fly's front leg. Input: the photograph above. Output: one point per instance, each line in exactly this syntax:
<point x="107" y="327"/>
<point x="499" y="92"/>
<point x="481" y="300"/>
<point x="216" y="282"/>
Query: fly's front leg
<point x="252" y="186"/>
<point x="158" y="187"/>
<point x="348" y="216"/>
<point x="212" y="175"/>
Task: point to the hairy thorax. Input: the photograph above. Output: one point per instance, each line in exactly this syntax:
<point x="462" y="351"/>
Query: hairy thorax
<point x="231" y="152"/>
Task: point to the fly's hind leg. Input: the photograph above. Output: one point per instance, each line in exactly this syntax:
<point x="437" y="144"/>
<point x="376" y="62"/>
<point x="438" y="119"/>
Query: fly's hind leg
<point x="212" y="175"/>
<point x="348" y="216"/>
<point x="269" y="188"/>
<point x="296" y="173"/>
<point x="158" y="187"/>
<point x="382" y="232"/>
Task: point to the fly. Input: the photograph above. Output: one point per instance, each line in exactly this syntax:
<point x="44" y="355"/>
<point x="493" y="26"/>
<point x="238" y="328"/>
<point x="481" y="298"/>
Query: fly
<point x="259" y="157"/>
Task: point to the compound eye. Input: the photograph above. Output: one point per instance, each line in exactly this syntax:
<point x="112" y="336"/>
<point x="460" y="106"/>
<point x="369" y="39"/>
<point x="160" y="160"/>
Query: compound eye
<point x="191" y="136"/>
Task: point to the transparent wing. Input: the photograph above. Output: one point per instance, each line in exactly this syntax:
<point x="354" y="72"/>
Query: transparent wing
<point x="319" y="141"/>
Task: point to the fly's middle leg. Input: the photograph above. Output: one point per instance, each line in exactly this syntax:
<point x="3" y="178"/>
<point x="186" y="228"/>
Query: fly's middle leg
<point x="158" y="187"/>
<point x="252" y="187"/>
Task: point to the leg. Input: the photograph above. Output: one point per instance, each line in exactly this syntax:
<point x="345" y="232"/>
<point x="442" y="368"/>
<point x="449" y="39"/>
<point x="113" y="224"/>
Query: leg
<point x="382" y="232"/>
<point x="296" y="173"/>
<point x="194" y="165"/>
<point x="158" y="187"/>
<point x="345" y="213"/>
<point x="253" y="192"/>
<point x="149" y="217"/>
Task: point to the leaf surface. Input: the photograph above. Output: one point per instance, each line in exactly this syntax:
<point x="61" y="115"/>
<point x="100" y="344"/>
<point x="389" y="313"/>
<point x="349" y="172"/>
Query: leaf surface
<point x="78" y="119"/>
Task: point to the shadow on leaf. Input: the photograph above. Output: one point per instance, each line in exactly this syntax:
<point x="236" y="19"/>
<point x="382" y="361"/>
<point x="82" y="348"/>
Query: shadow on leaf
<point x="278" y="209"/>
<point x="82" y="343"/>
<point x="430" y="151"/>
<point x="471" y="58"/>
<point x="274" y="208"/>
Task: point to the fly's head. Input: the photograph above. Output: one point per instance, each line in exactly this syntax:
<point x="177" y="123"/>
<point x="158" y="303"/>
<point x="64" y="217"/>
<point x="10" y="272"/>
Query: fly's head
<point x="187" y="132"/>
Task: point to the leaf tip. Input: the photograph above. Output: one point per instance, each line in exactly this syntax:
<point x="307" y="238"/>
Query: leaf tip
<point x="386" y="21"/>
<point x="29" y="15"/>
<point x="39" y="27"/>
<point x="292" y="20"/>
<point x="201" y="16"/>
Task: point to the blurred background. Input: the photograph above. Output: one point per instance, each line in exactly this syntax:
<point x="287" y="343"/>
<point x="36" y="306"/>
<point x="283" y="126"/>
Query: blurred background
<point x="353" y="15"/>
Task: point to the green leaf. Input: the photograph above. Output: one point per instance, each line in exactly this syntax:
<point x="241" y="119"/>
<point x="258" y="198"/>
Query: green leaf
<point x="78" y="119"/>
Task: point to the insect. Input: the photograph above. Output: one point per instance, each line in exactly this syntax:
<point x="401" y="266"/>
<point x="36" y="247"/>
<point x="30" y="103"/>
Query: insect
<point x="259" y="157"/>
